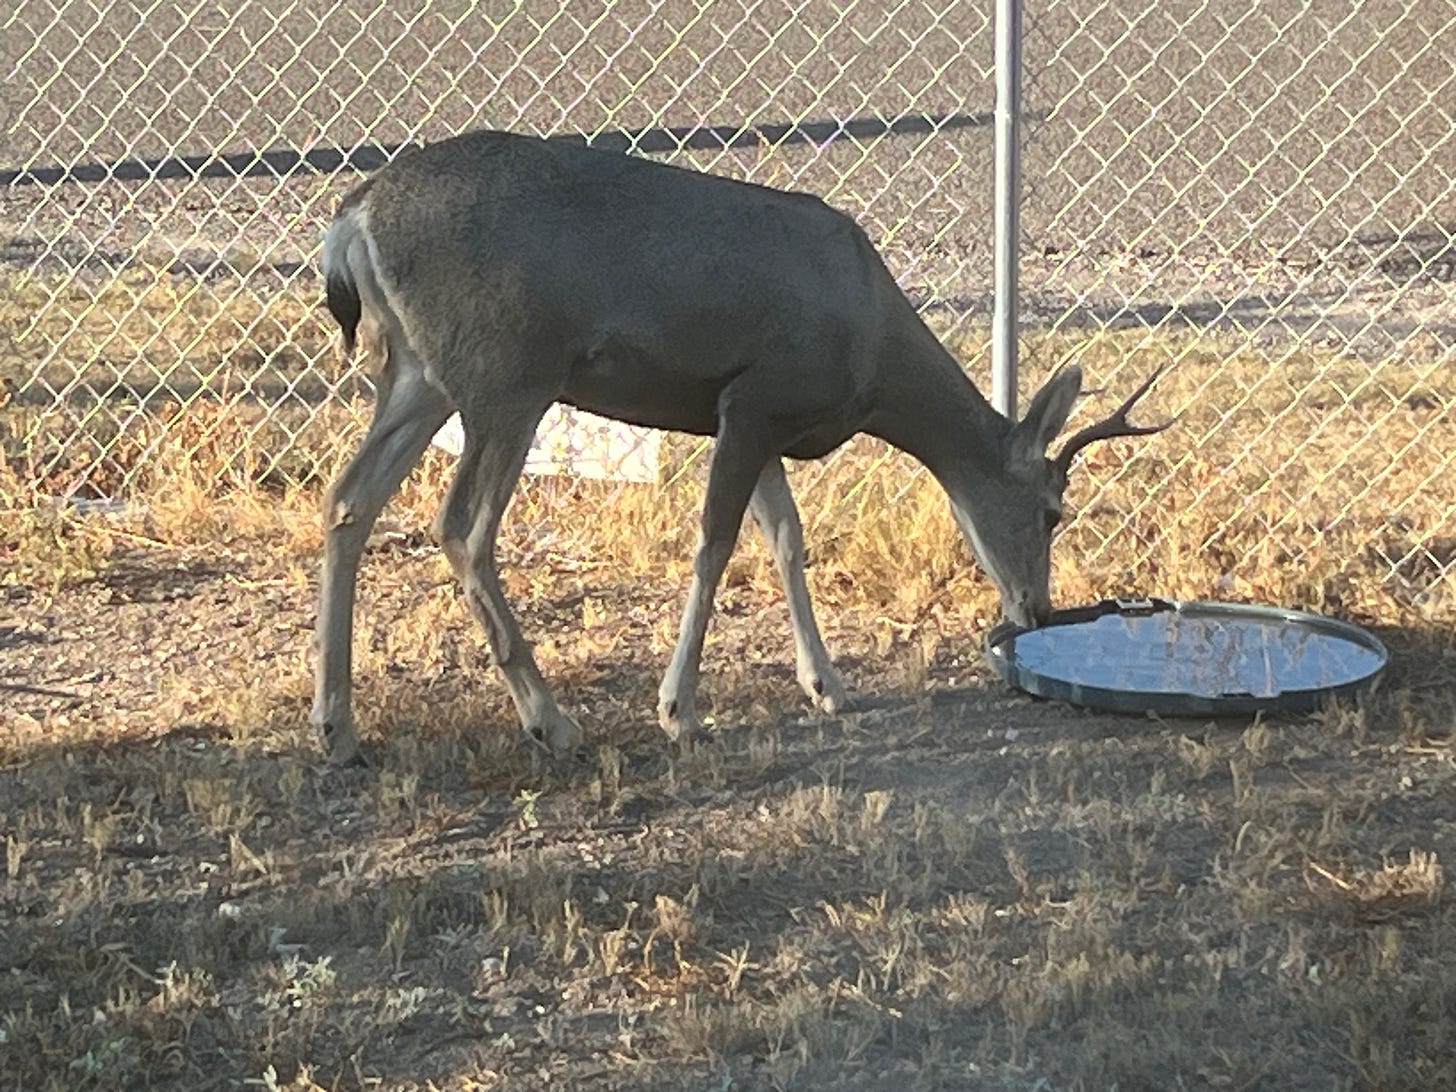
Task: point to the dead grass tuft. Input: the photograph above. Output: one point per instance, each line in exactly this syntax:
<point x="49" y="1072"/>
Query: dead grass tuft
<point x="1395" y="889"/>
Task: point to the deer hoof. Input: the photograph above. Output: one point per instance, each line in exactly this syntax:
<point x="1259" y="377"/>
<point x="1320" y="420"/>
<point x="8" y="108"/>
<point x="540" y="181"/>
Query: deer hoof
<point x="679" y="720"/>
<point x="556" y="733"/>
<point x="339" y="741"/>
<point x="825" y="690"/>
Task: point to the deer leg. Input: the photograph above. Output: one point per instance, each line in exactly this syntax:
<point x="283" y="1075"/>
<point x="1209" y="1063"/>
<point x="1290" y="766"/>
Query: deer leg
<point x="468" y="525"/>
<point x="732" y="476"/>
<point x="777" y="517"/>
<point x="407" y="415"/>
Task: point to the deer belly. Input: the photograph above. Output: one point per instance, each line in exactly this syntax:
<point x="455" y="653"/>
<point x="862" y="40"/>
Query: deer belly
<point x="626" y="383"/>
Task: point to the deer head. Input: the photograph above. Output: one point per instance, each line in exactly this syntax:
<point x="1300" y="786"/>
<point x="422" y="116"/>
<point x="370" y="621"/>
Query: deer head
<point x="1010" y="516"/>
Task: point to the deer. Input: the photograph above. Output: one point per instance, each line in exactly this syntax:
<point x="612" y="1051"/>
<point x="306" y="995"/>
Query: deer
<point x="495" y="274"/>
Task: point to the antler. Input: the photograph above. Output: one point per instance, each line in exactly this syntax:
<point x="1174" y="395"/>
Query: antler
<point x="1115" y="424"/>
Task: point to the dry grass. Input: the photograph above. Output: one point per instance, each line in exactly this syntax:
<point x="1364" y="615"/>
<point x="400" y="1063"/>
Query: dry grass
<point x="952" y="887"/>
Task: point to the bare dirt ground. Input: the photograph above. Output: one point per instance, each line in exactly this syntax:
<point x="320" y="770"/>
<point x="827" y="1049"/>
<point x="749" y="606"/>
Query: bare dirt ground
<point x="951" y="887"/>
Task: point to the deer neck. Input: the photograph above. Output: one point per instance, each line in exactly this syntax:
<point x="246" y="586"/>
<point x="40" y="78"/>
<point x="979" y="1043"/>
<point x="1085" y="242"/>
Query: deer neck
<point x="928" y="407"/>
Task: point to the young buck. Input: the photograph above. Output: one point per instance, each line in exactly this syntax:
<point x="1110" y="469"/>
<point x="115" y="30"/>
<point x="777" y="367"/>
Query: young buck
<point x="495" y="274"/>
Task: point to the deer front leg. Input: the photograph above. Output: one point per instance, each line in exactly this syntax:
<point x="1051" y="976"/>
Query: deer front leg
<point x="777" y="517"/>
<point x="732" y="476"/>
<point x="406" y="417"/>
<point x="468" y="525"/>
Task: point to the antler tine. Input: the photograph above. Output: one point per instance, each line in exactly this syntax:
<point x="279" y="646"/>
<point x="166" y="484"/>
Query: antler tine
<point x="1114" y="424"/>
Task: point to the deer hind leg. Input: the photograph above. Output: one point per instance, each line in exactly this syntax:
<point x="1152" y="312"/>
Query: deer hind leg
<point x="738" y="459"/>
<point x="777" y="517"/>
<point x="490" y="466"/>
<point x="406" y="416"/>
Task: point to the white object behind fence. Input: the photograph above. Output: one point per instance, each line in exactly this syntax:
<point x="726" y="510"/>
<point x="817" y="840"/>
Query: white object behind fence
<point x="580" y="444"/>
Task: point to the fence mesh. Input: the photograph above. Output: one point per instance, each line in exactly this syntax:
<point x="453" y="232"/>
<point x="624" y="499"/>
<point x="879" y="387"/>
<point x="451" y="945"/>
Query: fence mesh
<point x="1264" y="194"/>
<point x="1275" y="184"/>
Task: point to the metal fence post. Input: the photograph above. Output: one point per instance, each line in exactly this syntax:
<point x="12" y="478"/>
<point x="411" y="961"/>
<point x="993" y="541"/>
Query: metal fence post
<point x="1007" y="205"/>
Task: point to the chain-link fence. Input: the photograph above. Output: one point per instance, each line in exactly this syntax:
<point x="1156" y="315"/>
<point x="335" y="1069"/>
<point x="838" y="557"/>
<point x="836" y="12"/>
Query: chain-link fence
<point x="1264" y="193"/>
<point x="157" y="263"/>
<point x="1274" y="182"/>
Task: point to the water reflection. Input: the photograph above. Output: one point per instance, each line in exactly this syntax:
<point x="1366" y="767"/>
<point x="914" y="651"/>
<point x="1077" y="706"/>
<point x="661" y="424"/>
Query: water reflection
<point x="1187" y="653"/>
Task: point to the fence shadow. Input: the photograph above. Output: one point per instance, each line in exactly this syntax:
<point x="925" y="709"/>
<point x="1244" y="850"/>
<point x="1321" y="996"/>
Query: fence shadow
<point x="368" y="156"/>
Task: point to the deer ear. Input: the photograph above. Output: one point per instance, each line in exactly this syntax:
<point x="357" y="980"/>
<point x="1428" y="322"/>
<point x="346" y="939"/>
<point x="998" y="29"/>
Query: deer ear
<point x="1049" y="411"/>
